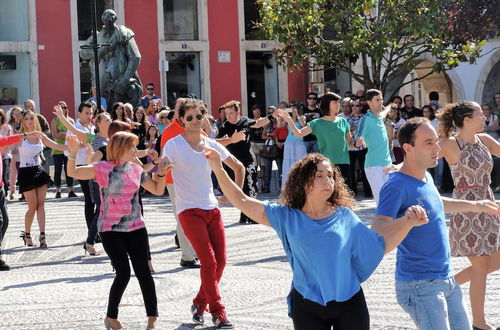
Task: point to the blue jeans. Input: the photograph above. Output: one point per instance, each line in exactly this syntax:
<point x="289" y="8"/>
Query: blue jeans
<point x="434" y="304"/>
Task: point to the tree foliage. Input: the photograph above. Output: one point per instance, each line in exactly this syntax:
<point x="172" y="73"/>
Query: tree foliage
<point x="388" y="36"/>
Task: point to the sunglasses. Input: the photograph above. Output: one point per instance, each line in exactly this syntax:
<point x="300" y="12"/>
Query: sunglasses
<point x="312" y="98"/>
<point x="150" y="89"/>
<point x="191" y="117"/>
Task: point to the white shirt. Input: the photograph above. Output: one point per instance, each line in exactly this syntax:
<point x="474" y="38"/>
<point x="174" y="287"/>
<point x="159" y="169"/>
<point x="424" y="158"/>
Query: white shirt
<point x="192" y="174"/>
<point x="29" y="154"/>
<point x="81" y="155"/>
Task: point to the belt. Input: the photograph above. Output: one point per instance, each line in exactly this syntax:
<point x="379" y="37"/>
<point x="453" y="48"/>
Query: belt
<point x="467" y="187"/>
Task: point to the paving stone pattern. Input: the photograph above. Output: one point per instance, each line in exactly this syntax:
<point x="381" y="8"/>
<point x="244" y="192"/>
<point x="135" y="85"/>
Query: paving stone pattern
<point x="61" y="288"/>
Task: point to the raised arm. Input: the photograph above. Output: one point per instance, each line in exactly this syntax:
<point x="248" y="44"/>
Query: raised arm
<point x="82" y="136"/>
<point x="395" y="230"/>
<point x="295" y="131"/>
<point x="490" y="143"/>
<point x="253" y="208"/>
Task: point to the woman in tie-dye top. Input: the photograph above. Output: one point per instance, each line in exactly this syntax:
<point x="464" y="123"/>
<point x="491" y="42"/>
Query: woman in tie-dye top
<point x="120" y="222"/>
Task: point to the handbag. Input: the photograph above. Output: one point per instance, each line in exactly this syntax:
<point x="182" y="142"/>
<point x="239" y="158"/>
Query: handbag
<point x="270" y="150"/>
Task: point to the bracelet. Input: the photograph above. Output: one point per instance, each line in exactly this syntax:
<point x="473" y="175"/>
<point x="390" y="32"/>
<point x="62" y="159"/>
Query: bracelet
<point x="270" y="117"/>
<point x="71" y="157"/>
<point x="160" y="176"/>
<point x="24" y="134"/>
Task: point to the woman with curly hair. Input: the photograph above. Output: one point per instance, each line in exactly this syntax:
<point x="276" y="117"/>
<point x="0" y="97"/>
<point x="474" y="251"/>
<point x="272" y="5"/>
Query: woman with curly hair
<point x="474" y="235"/>
<point x="330" y="250"/>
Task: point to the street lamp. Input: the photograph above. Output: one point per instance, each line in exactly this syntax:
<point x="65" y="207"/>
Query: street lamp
<point x="95" y="47"/>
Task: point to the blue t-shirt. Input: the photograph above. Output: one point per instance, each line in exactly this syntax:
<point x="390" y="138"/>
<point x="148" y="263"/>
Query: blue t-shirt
<point x="329" y="257"/>
<point x="425" y="252"/>
<point x="144" y="101"/>
<point x="372" y="129"/>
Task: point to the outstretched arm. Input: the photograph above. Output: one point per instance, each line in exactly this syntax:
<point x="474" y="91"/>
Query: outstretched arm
<point x="395" y="230"/>
<point x="157" y="186"/>
<point x="456" y="205"/>
<point x="252" y="207"/>
<point x="295" y="131"/>
<point x="51" y="144"/>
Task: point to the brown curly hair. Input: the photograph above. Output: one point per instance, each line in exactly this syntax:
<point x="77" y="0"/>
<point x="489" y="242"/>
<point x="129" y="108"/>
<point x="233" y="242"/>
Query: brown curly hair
<point x="454" y="114"/>
<point x="301" y="177"/>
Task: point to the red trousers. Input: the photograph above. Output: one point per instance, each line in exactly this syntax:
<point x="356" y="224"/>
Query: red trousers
<point x="205" y="230"/>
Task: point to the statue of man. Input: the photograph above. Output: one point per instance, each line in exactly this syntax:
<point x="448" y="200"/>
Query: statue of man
<point x="119" y="59"/>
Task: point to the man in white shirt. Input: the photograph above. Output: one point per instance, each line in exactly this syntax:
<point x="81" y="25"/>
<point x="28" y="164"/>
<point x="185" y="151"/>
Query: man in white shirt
<point x="197" y="207"/>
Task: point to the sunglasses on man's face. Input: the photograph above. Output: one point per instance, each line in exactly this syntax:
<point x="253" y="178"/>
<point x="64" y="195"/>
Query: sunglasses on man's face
<point x="150" y="89"/>
<point x="191" y="117"/>
<point x="312" y="98"/>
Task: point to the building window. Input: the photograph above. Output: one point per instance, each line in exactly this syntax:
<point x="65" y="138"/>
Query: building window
<point x="180" y="19"/>
<point x="15" y="82"/>
<point x="252" y="16"/>
<point x="336" y="81"/>
<point x="262" y="79"/>
<point x="183" y="77"/>
<point x="85" y="16"/>
<point x="14" y="21"/>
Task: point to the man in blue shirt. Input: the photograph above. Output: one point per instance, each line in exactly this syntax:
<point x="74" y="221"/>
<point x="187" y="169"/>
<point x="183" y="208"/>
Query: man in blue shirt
<point x="150" y="96"/>
<point x="425" y="288"/>
<point x="373" y="133"/>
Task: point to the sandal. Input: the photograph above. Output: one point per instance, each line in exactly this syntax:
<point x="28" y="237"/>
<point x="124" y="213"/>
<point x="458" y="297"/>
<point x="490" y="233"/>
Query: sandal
<point x="27" y="238"/>
<point x="43" y="243"/>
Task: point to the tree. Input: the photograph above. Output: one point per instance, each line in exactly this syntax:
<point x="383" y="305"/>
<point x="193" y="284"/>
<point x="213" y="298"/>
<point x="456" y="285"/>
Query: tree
<point x="387" y="35"/>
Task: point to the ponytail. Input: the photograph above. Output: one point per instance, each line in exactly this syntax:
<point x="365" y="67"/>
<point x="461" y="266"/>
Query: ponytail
<point x="446" y="125"/>
<point x="453" y="115"/>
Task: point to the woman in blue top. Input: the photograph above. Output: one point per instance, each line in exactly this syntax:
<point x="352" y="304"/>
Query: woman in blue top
<point x="330" y="250"/>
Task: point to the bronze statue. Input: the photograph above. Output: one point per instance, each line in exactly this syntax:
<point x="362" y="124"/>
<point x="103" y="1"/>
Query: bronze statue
<point x="119" y="58"/>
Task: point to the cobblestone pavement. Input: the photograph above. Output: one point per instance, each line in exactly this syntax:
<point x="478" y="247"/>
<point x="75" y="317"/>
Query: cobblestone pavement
<point x="61" y="288"/>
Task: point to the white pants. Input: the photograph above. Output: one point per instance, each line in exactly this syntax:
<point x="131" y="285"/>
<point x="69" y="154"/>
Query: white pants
<point x="376" y="178"/>
<point x="187" y="250"/>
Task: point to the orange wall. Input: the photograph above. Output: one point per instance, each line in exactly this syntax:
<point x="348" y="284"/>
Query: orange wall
<point x="225" y="78"/>
<point x="55" y="66"/>
<point x="141" y="17"/>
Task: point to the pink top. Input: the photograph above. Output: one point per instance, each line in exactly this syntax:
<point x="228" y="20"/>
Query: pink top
<point x="119" y="185"/>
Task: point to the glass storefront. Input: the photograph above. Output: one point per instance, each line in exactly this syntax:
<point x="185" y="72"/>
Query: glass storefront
<point x="15" y="82"/>
<point x="262" y="79"/>
<point x="180" y="19"/>
<point x="14" y="21"/>
<point x="183" y="77"/>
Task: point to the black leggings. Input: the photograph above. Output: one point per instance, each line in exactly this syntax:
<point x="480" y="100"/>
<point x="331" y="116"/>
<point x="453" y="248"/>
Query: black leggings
<point x="90" y="210"/>
<point x="351" y="314"/>
<point x="120" y="246"/>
